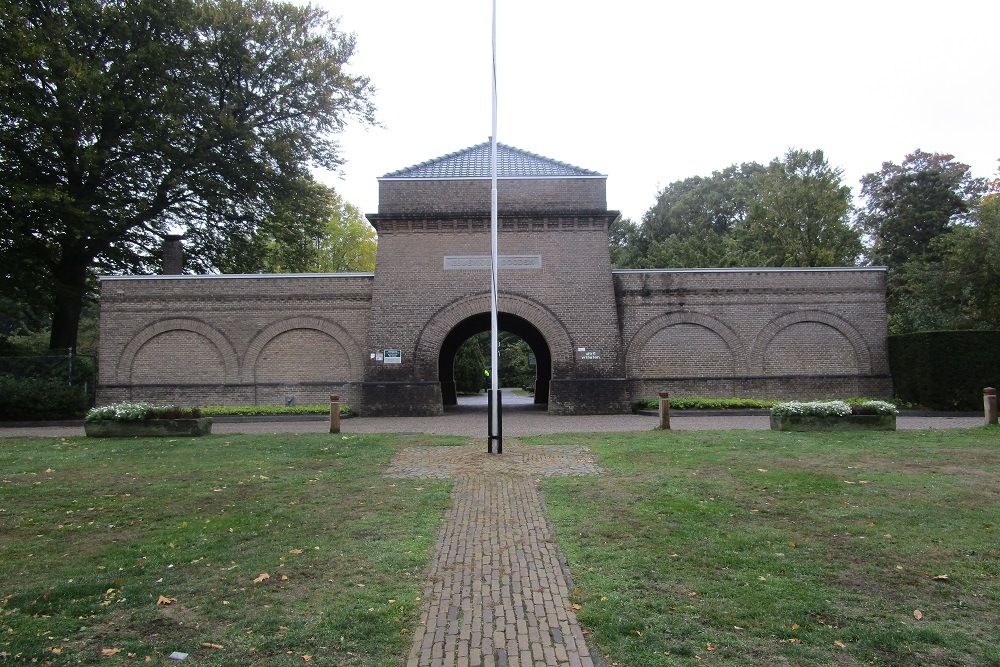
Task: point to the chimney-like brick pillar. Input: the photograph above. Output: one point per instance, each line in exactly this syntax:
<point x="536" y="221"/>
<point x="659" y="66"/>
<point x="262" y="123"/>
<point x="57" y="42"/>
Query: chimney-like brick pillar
<point x="173" y="255"/>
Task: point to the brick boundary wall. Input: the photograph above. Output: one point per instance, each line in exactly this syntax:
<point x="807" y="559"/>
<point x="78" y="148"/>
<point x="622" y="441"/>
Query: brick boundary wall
<point x="612" y="337"/>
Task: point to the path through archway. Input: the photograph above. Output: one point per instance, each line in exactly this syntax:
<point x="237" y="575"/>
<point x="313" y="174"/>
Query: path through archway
<point x="479" y="323"/>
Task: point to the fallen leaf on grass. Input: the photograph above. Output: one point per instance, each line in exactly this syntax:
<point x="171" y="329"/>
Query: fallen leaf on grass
<point x="576" y="607"/>
<point x="839" y="644"/>
<point x="108" y="652"/>
<point x="940" y="577"/>
<point x="56" y="650"/>
<point x="217" y="647"/>
<point x="261" y="578"/>
<point x="165" y="600"/>
<point x="296" y="551"/>
<point x="917" y="614"/>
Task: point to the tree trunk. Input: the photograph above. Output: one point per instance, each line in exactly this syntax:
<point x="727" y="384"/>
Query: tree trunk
<point x="69" y="290"/>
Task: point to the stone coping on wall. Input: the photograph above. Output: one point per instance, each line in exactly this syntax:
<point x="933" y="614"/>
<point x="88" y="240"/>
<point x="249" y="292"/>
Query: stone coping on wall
<point x="241" y="276"/>
<point x="760" y="269"/>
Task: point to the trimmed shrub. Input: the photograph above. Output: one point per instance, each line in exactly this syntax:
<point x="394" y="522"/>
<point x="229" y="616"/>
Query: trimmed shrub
<point x="137" y="412"/>
<point x="31" y="399"/>
<point x="944" y="370"/>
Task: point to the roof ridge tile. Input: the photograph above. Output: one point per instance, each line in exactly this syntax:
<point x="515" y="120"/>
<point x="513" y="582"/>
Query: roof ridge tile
<point x="473" y="162"/>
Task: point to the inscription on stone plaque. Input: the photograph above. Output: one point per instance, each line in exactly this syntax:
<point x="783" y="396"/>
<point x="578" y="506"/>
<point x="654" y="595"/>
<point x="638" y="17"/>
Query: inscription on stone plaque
<point x="482" y="262"/>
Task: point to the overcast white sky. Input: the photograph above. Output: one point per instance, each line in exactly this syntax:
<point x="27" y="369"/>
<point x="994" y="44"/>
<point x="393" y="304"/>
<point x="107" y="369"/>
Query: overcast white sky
<point x="650" y="92"/>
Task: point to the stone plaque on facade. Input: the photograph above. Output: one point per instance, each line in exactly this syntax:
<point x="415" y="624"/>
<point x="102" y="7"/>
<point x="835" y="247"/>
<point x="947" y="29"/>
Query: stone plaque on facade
<point x="482" y="262"/>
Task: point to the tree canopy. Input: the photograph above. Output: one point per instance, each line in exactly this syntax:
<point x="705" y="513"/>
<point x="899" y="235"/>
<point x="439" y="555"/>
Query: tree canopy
<point x="792" y="212"/>
<point x="122" y="121"/>
<point x="909" y="204"/>
<point x="926" y="219"/>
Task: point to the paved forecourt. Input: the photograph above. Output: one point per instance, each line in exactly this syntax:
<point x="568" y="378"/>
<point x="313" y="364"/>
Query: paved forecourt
<point x="517" y="422"/>
<point x="499" y="591"/>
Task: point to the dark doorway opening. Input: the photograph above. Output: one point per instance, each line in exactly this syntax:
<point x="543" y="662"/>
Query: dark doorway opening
<point x="518" y="326"/>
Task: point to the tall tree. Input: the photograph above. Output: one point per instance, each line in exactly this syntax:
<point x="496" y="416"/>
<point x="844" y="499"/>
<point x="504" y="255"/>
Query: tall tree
<point x="691" y="223"/>
<point x="317" y="232"/>
<point x="908" y="205"/>
<point x="123" y="120"/>
<point x="958" y="290"/>
<point x="793" y="212"/>
<point x="799" y="215"/>
<point x="909" y="208"/>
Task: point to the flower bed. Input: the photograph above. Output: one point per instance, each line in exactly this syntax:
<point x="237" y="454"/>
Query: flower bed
<point x="129" y="420"/>
<point x="833" y="416"/>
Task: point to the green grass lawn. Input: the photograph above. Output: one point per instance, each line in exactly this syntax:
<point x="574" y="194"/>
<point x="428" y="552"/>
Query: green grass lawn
<point x="695" y="548"/>
<point x="766" y="548"/>
<point x="123" y="551"/>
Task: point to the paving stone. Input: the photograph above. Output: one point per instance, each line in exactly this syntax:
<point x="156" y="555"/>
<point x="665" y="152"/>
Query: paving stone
<point x="497" y="579"/>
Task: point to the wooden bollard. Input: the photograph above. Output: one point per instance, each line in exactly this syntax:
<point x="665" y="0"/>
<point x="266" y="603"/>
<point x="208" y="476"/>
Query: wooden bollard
<point x="664" y="411"/>
<point x="990" y="404"/>
<point x="335" y="414"/>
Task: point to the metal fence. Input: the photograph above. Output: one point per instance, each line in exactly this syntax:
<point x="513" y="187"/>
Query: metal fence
<point x="73" y="369"/>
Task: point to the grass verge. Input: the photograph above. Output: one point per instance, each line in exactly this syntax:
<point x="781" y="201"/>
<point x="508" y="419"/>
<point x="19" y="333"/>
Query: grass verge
<point x="765" y="548"/>
<point x="238" y="550"/>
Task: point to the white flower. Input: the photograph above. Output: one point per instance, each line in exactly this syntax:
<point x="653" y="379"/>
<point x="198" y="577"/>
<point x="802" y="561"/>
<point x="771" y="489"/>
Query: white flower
<point x="813" y="408"/>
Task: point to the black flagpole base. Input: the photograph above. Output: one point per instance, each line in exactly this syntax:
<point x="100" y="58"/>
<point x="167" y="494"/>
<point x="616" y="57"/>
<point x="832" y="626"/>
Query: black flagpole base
<point x="495" y="443"/>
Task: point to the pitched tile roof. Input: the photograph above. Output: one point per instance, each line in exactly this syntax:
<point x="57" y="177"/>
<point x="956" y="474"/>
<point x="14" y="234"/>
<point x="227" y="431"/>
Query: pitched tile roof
<point x="474" y="163"/>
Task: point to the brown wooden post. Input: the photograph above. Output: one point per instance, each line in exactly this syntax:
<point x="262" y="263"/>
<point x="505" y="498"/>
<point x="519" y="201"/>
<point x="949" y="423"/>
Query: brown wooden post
<point x="990" y="404"/>
<point x="664" y="411"/>
<point x="335" y="414"/>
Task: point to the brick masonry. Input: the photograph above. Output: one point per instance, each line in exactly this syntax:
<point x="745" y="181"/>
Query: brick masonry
<point x="498" y="592"/>
<point x="613" y="336"/>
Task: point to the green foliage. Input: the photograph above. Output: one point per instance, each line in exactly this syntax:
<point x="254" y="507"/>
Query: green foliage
<point x="793" y="212"/>
<point x="515" y="367"/>
<point x="316" y="232"/>
<point x="32" y="398"/>
<point x="799" y="215"/>
<point x="957" y="290"/>
<point x="271" y="410"/>
<point x="691" y="223"/>
<point x="909" y="205"/>
<point x="121" y="122"/>
<point x="137" y="412"/>
<point x="918" y="216"/>
<point x="694" y="403"/>
<point x="944" y="370"/>
<point x="470" y="362"/>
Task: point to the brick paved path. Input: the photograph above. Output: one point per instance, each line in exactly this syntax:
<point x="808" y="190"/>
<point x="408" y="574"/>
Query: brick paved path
<point x="498" y="593"/>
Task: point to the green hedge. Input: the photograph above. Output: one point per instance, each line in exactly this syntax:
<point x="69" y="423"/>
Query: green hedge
<point x="945" y="370"/>
<point x="40" y="398"/>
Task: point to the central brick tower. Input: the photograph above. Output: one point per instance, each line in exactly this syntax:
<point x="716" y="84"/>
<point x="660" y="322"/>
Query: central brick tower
<point x="431" y="285"/>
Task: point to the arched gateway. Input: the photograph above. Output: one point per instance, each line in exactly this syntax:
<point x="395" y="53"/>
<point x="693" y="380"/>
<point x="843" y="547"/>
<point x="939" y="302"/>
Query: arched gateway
<point x="386" y="341"/>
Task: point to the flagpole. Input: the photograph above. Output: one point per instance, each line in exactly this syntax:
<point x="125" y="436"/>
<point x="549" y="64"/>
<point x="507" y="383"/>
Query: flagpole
<point x="495" y="445"/>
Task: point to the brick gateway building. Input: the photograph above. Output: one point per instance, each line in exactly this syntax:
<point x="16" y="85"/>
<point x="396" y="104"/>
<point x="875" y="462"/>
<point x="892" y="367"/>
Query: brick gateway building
<point x="386" y="341"/>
